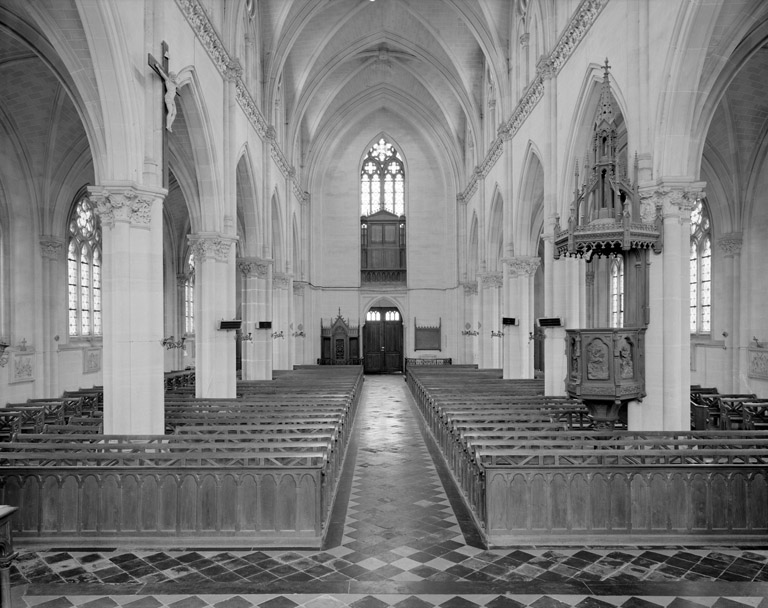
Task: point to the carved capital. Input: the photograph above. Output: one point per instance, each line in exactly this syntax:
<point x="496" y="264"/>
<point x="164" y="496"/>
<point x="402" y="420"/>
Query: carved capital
<point x="125" y="203"/>
<point x="672" y="201"/>
<point x="298" y="287"/>
<point x="730" y="244"/>
<point x="522" y="266"/>
<point x="211" y="246"/>
<point x="525" y="39"/>
<point x="470" y="289"/>
<point x="254" y="267"/>
<point x="281" y="280"/>
<point x="51" y="248"/>
<point x="491" y="279"/>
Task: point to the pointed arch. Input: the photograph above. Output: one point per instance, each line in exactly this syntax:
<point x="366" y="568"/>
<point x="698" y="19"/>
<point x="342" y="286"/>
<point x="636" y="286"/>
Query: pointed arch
<point x="248" y="209"/>
<point x="496" y="235"/>
<point x="529" y="212"/>
<point x="278" y="250"/>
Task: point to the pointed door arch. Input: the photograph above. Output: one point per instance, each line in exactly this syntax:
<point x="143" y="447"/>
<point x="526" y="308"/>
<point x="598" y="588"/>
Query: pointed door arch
<point x="383" y="340"/>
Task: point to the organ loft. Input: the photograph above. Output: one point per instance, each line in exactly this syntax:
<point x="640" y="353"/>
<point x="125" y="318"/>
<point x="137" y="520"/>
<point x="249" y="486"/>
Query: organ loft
<point x="383" y="303"/>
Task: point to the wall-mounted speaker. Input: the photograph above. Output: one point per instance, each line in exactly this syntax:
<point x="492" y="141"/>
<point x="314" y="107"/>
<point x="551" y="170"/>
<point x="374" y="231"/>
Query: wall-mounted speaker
<point x="230" y="325"/>
<point x="550" y="322"/>
<point x="510" y="321"/>
<point x="265" y="324"/>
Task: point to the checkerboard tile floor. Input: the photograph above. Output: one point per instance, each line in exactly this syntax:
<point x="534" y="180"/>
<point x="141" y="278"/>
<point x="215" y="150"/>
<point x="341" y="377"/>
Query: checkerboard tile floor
<point x="405" y="542"/>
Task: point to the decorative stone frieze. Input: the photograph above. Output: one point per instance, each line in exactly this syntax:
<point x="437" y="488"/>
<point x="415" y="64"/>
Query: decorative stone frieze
<point x="197" y="18"/>
<point x="281" y="280"/>
<point x="470" y="288"/>
<point x="252" y="112"/>
<point x="254" y="267"/>
<point x="211" y="246"/>
<point x="522" y="266"/>
<point x="51" y="248"/>
<point x="577" y="28"/>
<point x="730" y="244"/>
<point x="124" y="204"/>
<point x="492" y="280"/>
<point x="233" y="71"/>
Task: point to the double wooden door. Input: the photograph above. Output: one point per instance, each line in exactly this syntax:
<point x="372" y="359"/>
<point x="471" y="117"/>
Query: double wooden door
<point x="383" y="341"/>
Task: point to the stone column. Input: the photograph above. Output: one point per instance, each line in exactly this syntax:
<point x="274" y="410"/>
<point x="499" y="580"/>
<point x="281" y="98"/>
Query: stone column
<point x="215" y="374"/>
<point x="299" y="333"/>
<point x="471" y="323"/>
<point x="490" y="313"/>
<point x="132" y="307"/>
<point x="668" y="340"/>
<point x="730" y="247"/>
<point x="256" y="307"/>
<point x="54" y="326"/>
<point x="282" y="308"/>
<point x="518" y="303"/>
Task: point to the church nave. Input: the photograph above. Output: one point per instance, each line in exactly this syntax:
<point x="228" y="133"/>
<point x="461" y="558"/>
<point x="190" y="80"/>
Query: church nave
<point x="399" y="538"/>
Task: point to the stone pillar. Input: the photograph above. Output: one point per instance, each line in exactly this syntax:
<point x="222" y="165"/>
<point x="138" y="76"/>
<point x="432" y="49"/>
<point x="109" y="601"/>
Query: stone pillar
<point x="301" y="353"/>
<point x="668" y="340"/>
<point x="730" y="247"/>
<point x="52" y="250"/>
<point x="491" y="344"/>
<point x="282" y="308"/>
<point x="518" y="303"/>
<point x="472" y="325"/>
<point x="256" y="307"/>
<point x="215" y="374"/>
<point x="132" y="307"/>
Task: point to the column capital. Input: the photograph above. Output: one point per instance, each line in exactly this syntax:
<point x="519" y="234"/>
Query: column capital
<point x="470" y="288"/>
<point x="298" y="287"/>
<point x="522" y="266"/>
<point x="674" y="200"/>
<point x="254" y="267"/>
<point x="730" y="244"/>
<point x="211" y="246"/>
<point x="125" y="202"/>
<point x="51" y="247"/>
<point x="491" y="279"/>
<point x="281" y="280"/>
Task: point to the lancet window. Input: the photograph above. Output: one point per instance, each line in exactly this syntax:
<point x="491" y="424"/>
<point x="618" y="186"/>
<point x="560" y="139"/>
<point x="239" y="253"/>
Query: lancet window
<point x="84" y="270"/>
<point x="189" y="296"/>
<point x="701" y="269"/>
<point x="382" y="180"/>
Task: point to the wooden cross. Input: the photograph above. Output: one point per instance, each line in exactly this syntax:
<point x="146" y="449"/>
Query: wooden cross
<point x="169" y="101"/>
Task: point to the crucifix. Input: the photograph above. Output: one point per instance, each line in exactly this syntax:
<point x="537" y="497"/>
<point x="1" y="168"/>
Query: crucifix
<point x="169" y="99"/>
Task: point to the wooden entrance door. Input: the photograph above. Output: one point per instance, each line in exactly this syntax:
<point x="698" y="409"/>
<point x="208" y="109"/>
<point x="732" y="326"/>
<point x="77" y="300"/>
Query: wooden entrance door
<point x="383" y="341"/>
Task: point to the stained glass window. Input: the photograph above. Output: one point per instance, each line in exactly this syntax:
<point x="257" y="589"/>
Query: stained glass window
<point x="84" y="271"/>
<point x="382" y="180"/>
<point x="701" y="269"/>
<point x="617" y="292"/>
<point x="189" y="296"/>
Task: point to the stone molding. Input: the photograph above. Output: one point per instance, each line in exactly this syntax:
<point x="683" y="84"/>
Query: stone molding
<point x="254" y="267"/>
<point x="125" y="203"/>
<point x="232" y="71"/>
<point x="547" y="67"/>
<point x="730" y="244"/>
<point x="522" y="266"/>
<point x="492" y="280"/>
<point x="181" y="280"/>
<point x="211" y="246"/>
<point x="51" y="248"/>
<point x="281" y="280"/>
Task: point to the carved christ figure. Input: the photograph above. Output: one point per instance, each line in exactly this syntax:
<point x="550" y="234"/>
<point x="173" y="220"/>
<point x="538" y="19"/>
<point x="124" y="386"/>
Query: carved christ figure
<point x="171" y="84"/>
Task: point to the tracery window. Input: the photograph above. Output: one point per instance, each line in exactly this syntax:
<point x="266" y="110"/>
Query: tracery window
<point x="701" y="269"/>
<point x="84" y="270"/>
<point x="617" y="292"/>
<point x="382" y="180"/>
<point x="373" y="315"/>
<point x="189" y="296"/>
<point x="392" y="315"/>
